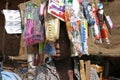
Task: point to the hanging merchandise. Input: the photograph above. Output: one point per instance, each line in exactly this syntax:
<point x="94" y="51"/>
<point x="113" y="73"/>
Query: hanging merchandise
<point x="49" y="48"/>
<point x="84" y="36"/>
<point x="73" y="11"/>
<point x="42" y="7"/>
<point x="33" y="31"/>
<point x="102" y="24"/>
<point x="109" y="21"/>
<point x="12" y="21"/>
<point x="104" y="33"/>
<point x="57" y="9"/>
<point x="73" y="16"/>
<point x="75" y="37"/>
<point x="100" y="14"/>
<point x="91" y="11"/>
<point x="95" y="30"/>
<point x="88" y="13"/>
<point x="95" y="11"/>
<point x="52" y="25"/>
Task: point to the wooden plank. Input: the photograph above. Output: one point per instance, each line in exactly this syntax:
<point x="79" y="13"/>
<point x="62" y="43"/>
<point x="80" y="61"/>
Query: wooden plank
<point x="87" y="67"/>
<point x="82" y="70"/>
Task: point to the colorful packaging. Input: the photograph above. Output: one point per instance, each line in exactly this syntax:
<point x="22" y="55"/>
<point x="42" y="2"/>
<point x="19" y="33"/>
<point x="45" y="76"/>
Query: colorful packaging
<point x="95" y="11"/>
<point x="33" y="32"/>
<point x="73" y="11"/>
<point x="104" y="33"/>
<point x="52" y="25"/>
<point x="84" y="36"/>
<point x="89" y="13"/>
<point x="101" y="17"/>
<point x="73" y="29"/>
<point x="42" y="8"/>
<point x="57" y="8"/>
<point x="96" y="33"/>
<point x="110" y="23"/>
<point x="49" y="48"/>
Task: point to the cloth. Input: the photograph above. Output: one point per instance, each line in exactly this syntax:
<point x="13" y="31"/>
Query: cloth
<point x="93" y="74"/>
<point x="6" y="75"/>
<point x="48" y="72"/>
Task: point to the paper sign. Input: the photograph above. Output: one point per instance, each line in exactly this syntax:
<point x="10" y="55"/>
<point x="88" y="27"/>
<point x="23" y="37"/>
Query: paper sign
<point x="13" y="21"/>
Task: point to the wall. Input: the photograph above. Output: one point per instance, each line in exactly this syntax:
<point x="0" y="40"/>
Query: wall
<point x="9" y="44"/>
<point x="113" y="9"/>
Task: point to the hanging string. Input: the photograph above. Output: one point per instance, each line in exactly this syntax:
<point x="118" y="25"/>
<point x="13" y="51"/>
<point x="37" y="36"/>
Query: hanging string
<point x="6" y="5"/>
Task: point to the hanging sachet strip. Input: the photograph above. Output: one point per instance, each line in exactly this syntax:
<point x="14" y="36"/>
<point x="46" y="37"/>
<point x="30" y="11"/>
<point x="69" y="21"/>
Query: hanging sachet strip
<point x="73" y="17"/>
<point x="33" y="31"/>
<point x="84" y="36"/>
<point x="73" y="29"/>
<point x="103" y="27"/>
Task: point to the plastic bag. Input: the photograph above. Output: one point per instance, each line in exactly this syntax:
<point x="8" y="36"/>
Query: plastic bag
<point x="33" y="31"/>
<point x="52" y="25"/>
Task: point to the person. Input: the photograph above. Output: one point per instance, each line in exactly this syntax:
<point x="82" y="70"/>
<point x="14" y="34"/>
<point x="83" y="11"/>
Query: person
<point x="61" y="66"/>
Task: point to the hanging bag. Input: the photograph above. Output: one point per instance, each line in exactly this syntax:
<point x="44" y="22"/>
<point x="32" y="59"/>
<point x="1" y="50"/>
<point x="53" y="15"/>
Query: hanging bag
<point x="33" y="31"/>
<point x="52" y="25"/>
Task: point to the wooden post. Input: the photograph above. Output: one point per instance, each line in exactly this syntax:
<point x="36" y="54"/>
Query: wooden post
<point x="22" y="49"/>
<point x="82" y="70"/>
<point x="87" y="67"/>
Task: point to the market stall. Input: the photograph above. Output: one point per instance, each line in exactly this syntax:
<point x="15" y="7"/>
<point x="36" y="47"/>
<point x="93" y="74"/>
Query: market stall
<point x="19" y="47"/>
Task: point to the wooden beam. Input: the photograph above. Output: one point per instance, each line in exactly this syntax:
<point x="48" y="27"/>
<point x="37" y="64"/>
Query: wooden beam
<point x="82" y="70"/>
